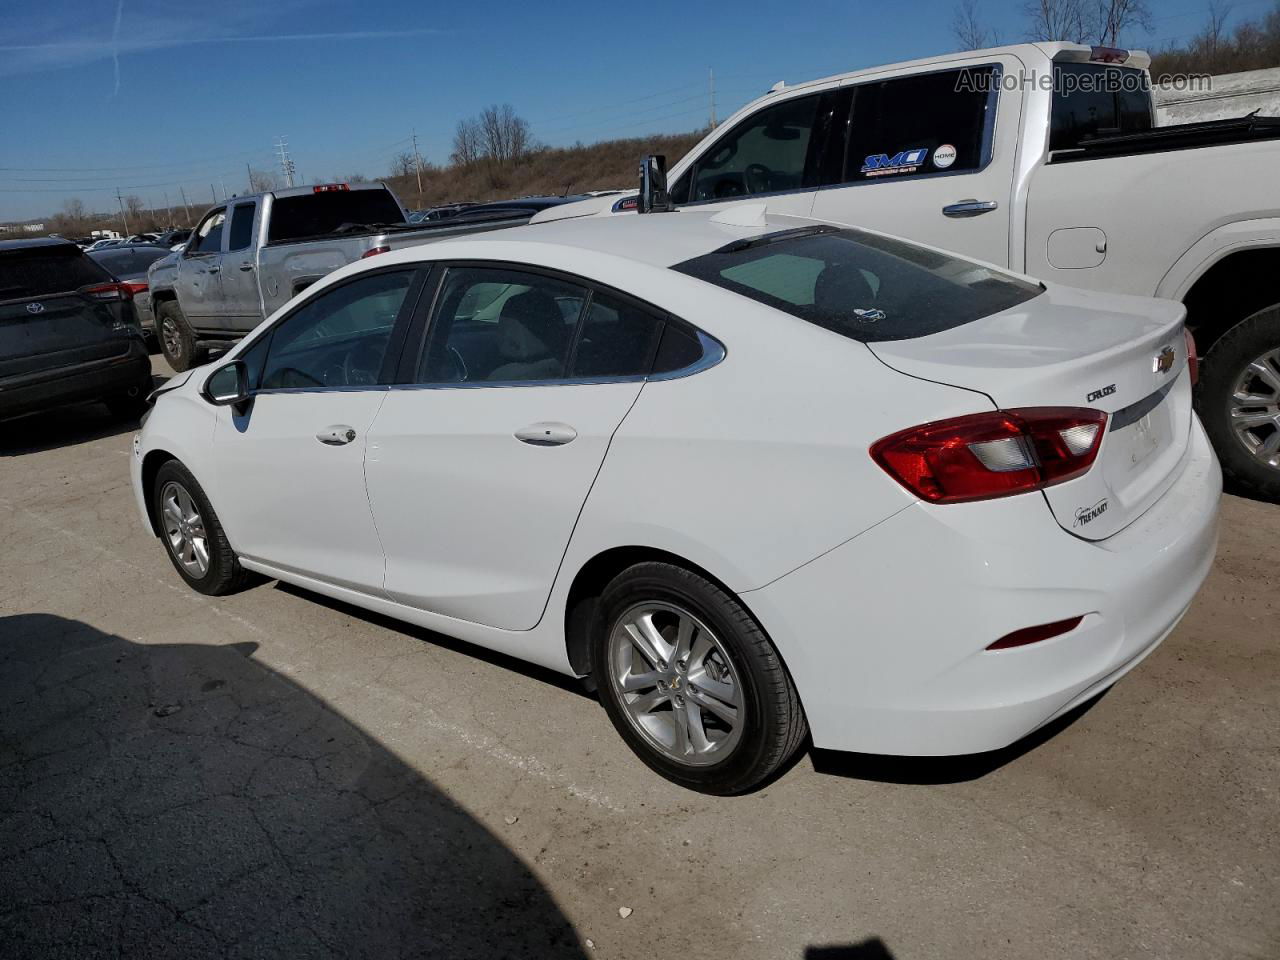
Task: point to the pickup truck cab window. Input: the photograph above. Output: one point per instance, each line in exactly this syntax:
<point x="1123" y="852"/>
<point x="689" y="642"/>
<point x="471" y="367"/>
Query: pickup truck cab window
<point x="338" y="339"/>
<point x="208" y="236"/>
<point x="241" y="227"/>
<point x="929" y="123"/>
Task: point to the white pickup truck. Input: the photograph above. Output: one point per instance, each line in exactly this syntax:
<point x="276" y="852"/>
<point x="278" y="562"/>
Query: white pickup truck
<point x="1043" y="158"/>
<point x="250" y="255"/>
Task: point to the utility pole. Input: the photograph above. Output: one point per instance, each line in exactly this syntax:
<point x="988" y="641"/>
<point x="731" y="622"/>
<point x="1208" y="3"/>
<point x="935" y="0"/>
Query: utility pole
<point x="123" y="216"/>
<point x="286" y="164"/>
<point x="168" y="211"/>
<point x="249" y="171"/>
<point x="711" y="74"/>
<point x="418" y="164"/>
<point x="213" y="192"/>
<point x="185" y="205"/>
<point x="224" y="189"/>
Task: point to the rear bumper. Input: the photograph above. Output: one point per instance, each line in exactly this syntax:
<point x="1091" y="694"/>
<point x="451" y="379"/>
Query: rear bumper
<point x="886" y="635"/>
<point x="81" y="383"/>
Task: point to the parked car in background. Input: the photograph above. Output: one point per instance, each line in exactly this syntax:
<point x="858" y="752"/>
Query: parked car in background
<point x="142" y="238"/>
<point x="103" y="243"/>
<point x="714" y="460"/>
<point x="249" y="256"/>
<point x="173" y="238"/>
<point x="1045" y="158"/>
<point x="68" y="332"/>
<point x="129" y="264"/>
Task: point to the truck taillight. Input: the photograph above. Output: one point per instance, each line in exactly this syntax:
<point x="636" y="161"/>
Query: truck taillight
<point x="374" y="251"/>
<point x="1193" y="358"/>
<point x="987" y="455"/>
<point x="330" y="187"/>
<point x="108" y="292"/>
<point x="1108" y="55"/>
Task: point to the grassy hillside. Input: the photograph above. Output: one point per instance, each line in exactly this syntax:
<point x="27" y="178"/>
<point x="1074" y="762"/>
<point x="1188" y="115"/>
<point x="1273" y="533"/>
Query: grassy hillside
<point x="552" y="171"/>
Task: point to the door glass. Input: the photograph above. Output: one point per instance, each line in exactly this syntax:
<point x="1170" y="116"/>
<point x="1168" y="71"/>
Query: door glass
<point x="617" y="340"/>
<point x="496" y="325"/>
<point x="338" y="339"/>
<point x="766" y="153"/>
<point x="928" y="123"/>
<point x="241" y="227"/>
<point x="208" y="238"/>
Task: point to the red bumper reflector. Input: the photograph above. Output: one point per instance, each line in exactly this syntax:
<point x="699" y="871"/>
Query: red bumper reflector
<point x="1193" y="358"/>
<point x="1020" y="638"/>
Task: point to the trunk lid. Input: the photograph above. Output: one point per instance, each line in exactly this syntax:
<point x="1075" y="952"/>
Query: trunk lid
<point x="1124" y="355"/>
<point x="45" y="323"/>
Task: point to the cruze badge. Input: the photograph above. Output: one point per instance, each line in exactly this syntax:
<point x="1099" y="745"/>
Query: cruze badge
<point x="1106" y="391"/>
<point x="34" y="308"/>
<point x="1163" y="361"/>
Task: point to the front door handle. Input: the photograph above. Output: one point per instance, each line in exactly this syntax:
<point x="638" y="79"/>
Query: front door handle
<point x="246" y="266"/>
<point x="969" y="208"/>
<point x="337" y="436"/>
<point x="546" y="434"/>
<point x="214" y="269"/>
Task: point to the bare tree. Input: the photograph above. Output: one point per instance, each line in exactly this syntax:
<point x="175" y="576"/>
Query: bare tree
<point x="354" y="178"/>
<point x="1214" y="37"/>
<point x="968" y="29"/>
<point x="74" y="209"/>
<point x="134" y="205"/>
<point x="404" y="164"/>
<point x="466" y="143"/>
<point x="505" y="137"/>
<point x="260" y="181"/>
<point x="1113" y="17"/>
<point x="1057" y="20"/>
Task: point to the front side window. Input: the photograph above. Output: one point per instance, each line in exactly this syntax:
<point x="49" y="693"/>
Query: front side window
<point x="766" y="153"/>
<point x="241" y="227"/>
<point x="339" y="338"/>
<point x="926" y="123"/>
<point x="863" y="286"/>
<point x="208" y="238"/>
<point x="500" y="325"/>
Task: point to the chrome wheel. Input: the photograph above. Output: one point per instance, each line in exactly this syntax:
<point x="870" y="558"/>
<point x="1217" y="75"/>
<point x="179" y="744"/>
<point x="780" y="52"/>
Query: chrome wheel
<point x="170" y="337"/>
<point x="1255" y="409"/>
<point x="676" y="682"/>
<point x="184" y="529"/>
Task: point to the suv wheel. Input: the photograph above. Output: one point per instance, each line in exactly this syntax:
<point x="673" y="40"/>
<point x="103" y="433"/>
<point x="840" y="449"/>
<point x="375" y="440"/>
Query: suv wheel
<point x="1239" y="402"/>
<point x="177" y="340"/>
<point x="691" y="682"/>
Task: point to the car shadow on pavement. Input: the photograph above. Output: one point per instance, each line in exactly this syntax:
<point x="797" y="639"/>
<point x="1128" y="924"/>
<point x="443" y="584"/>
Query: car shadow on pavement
<point x="941" y="770"/>
<point x="872" y="948"/>
<point x="184" y="800"/>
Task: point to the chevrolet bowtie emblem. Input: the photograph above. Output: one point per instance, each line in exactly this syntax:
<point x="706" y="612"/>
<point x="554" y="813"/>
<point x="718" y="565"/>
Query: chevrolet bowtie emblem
<point x="1163" y="361"/>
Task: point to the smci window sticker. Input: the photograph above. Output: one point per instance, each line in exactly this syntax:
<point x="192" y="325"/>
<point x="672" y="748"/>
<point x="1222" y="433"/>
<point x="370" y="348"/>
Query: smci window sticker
<point x="904" y="161"/>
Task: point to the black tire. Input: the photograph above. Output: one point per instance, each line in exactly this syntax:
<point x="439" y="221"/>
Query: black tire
<point x="1225" y="363"/>
<point x="177" y="339"/>
<point x="773" y="726"/>
<point x="224" y="574"/>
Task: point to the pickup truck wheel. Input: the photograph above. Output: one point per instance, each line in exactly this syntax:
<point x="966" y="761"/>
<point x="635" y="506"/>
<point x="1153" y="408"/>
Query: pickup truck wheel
<point x="177" y="339"/>
<point x="1239" y="402"/>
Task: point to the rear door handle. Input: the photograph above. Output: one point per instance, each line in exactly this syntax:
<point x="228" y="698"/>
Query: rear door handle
<point x="969" y="208"/>
<point x="546" y="434"/>
<point x="337" y="436"/>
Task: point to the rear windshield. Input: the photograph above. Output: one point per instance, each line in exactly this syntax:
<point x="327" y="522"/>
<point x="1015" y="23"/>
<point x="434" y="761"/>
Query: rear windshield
<point x="316" y="214"/>
<point x="128" y="261"/>
<point x="1093" y="100"/>
<point x="860" y="285"/>
<point x="44" y="271"/>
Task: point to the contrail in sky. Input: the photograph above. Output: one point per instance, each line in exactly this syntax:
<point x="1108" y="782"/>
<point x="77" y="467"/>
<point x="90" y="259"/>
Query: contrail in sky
<point x="115" y="47"/>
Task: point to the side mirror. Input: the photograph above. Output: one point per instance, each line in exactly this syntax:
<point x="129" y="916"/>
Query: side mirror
<point x="653" y="185"/>
<point x="227" y="385"/>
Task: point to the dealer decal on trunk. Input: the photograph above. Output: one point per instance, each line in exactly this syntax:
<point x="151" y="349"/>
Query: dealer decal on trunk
<point x="1086" y="515"/>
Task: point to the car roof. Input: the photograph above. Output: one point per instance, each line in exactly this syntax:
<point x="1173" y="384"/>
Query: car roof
<point x="25" y="244"/>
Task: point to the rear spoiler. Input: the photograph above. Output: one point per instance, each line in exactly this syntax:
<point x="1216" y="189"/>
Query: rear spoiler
<point x="1079" y="53"/>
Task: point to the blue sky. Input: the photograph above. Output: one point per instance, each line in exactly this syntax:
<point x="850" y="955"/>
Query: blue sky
<point x="151" y="95"/>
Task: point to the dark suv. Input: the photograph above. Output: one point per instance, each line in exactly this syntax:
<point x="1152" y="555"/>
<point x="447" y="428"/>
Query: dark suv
<point x="68" y="332"/>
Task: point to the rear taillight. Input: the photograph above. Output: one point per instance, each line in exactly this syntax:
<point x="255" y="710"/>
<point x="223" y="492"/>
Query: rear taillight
<point x="108" y="292"/>
<point x="1193" y="358"/>
<point x="997" y="454"/>
<point x="1045" y="631"/>
<point x="330" y="188"/>
<point x="135" y="287"/>
<point x="374" y="251"/>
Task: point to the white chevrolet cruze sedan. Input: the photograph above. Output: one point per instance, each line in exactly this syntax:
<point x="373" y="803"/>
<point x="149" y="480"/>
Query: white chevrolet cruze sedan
<point x="758" y="478"/>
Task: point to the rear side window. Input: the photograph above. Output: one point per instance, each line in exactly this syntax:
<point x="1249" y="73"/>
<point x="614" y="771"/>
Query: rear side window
<point x="616" y="339"/>
<point x="42" y="272"/>
<point x="317" y="214"/>
<point x="860" y="285"/>
<point x="1091" y="99"/>
<point x="927" y="123"/>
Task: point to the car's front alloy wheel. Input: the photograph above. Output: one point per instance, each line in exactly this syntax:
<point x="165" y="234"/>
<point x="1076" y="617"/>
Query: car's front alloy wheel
<point x="192" y="534"/>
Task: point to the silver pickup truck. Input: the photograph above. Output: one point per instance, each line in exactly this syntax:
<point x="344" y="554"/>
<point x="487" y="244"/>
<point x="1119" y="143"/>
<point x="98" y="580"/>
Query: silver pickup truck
<point x="250" y="255"/>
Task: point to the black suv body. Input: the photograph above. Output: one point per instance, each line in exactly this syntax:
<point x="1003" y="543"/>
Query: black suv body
<point x="68" y="332"/>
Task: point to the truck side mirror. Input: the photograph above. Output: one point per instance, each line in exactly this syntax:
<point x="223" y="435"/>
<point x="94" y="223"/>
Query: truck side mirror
<point x="228" y="385"/>
<point x="654" y="197"/>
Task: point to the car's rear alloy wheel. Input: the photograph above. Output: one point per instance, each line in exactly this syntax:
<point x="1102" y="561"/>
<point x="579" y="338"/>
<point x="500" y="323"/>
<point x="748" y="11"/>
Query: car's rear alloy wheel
<point x="677" y="683"/>
<point x="192" y="535"/>
<point x="691" y="681"/>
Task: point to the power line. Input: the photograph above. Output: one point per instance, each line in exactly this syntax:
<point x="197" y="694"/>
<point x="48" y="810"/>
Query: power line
<point x="286" y="164"/>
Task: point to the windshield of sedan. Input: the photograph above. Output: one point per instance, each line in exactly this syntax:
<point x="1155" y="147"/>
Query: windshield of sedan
<point x="860" y="285"/>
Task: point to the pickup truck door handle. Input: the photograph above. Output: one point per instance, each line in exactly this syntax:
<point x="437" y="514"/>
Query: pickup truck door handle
<point x="246" y="266"/>
<point x="969" y="208"/>
<point x="336" y="436"/>
<point x="214" y="269"/>
<point x="546" y="434"/>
